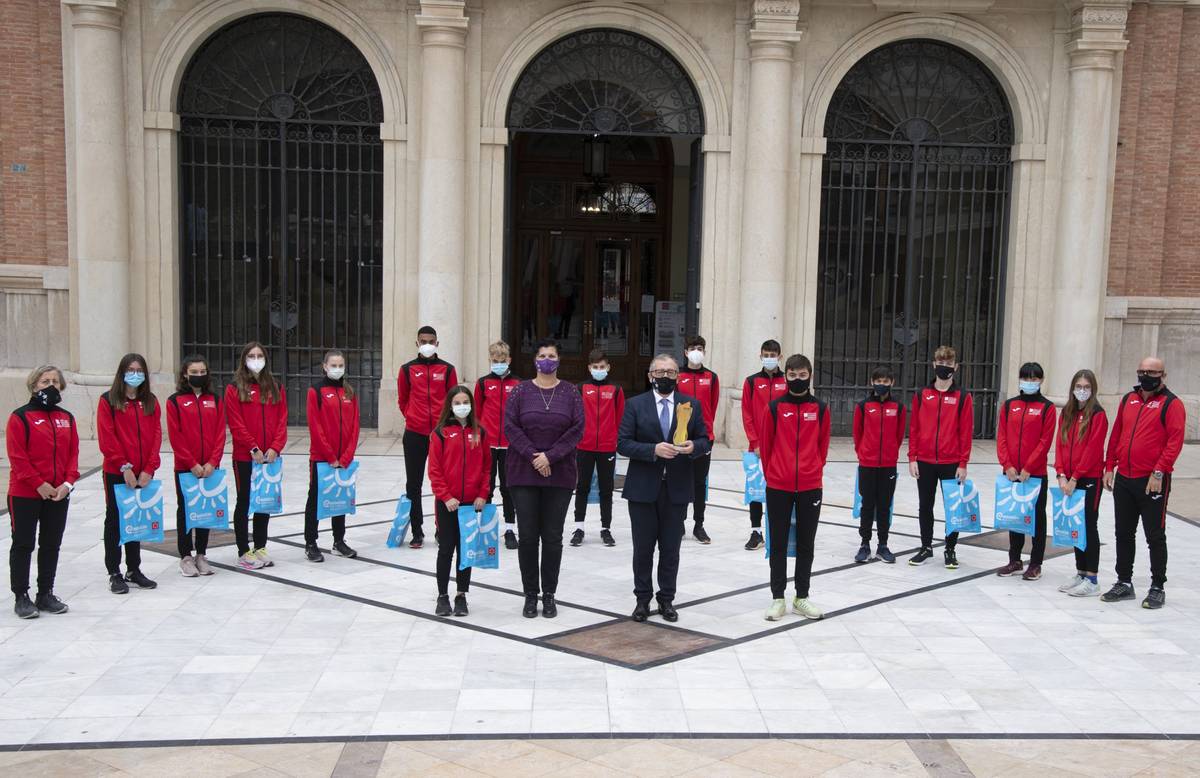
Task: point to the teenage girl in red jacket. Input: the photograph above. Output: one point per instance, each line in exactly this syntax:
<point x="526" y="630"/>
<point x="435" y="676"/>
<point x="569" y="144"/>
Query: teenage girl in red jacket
<point x="43" y="451"/>
<point x="196" y="429"/>
<point x="1079" y="464"/>
<point x="256" y="409"/>
<point x="460" y="466"/>
<point x="129" y="431"/>
<point x="333" y="436"/>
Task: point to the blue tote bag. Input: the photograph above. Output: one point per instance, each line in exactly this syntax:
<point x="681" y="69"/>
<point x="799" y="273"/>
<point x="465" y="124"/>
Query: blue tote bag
<point x="399" y="529"/>
<point x="140" y="512"/>
<point x="756" y="483"/>
<point x="1070" y="522"/>
<point x="961" y="502"/>
<point x="1015" y="503"/>
<point x="479" y="537"/>
<point x="266" y="487"/>
<point x="336" y="490"/>
<point x="205" y="501"/>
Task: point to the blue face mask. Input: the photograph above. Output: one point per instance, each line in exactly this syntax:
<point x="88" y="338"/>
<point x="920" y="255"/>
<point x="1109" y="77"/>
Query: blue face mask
<point x="499" y="368"/>
<point x="1030" y="387"/>
<point x="134" y="379"/>
<point x="599" y="375"/>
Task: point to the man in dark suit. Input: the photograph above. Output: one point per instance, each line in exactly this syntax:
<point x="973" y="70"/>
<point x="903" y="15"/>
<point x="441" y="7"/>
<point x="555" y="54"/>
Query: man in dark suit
<point x="659" y="483"/>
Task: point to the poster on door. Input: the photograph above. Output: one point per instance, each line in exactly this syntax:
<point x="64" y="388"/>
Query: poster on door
<point x="669" y="322"/>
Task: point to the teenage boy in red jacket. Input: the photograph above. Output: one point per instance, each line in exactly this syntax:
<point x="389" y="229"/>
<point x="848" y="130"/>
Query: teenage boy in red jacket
<point x="491" y="398"/>
<point x="939" y="445"/>
<point x="878" y="432"/>
<point x="698" y="381"/>
<point x="758" y="390"/>
<point x="603" y="406"/>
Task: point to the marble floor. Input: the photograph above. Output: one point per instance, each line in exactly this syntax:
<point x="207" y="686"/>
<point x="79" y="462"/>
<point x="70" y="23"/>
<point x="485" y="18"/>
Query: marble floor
<point x="350" y="649"/>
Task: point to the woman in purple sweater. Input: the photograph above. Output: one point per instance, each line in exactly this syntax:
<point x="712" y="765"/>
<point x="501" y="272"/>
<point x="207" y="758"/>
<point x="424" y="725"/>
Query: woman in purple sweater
<point x="544" y="423"/>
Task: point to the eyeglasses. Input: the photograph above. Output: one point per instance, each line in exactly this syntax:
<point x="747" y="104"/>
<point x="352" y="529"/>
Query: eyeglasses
<point x="664" y="373"/>
<point x="1151" y="373"/>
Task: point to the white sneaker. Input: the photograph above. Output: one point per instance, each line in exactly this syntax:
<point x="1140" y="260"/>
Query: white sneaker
<point x="1084" y="588"/>
<point x="805" y="607"/>
<point x="248" y="561"/>
<point x="1069" y="585"/>
<point x="261" y="554"/>
<point x="187" y="567"/>
<point x="776" y="611"/>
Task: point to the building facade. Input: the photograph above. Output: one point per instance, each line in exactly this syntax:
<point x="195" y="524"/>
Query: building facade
<point x="861" y="181"/>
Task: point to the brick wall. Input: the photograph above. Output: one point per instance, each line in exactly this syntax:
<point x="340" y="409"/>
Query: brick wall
<point x="33" y="206"/>
<point x="1155" y="245"/>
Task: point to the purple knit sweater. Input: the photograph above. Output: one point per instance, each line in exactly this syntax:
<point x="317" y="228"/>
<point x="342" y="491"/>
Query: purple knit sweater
<point x="531" y="429"/>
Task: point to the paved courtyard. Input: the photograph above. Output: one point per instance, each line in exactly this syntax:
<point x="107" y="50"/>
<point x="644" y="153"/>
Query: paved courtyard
<point x="350" y="648"/>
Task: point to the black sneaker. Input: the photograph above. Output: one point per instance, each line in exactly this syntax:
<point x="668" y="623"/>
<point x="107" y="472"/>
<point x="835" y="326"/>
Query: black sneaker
<point x="1155" y="598"/>
<point x="884" y="553"/>
<point x="510" y="540"/>
<point x="549" y="608"/>
<point x="51" y="604"/>
<point x="117" y="585"/>
<point x="951" y="559"/>
<point x="530" y="610"/>
<point x="136" y="578"/>
<point x="1119" y="591"/>
<point x="700" y="535"/>
<point x="24" y="607"/>
<point x="922" y="556"/>
<point x="313" y="554"/>
<point x="755" y="542"/>
<point x="606" y="537"/>
<point x="443" y="606"/>
<point x="863" y="555"/>
<point x="418" y="540"/>
<point x="460" y="605"/>
<point x="341" y="549"/>
<point x="577" y="538"/>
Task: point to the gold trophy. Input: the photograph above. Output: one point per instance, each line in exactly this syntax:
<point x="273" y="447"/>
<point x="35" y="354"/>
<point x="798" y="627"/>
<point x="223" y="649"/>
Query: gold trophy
<point x="683" y="414"/>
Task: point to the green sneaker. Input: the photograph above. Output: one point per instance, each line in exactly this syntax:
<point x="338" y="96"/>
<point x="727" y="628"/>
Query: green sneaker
<point x="804" y="607"/>
<point x="776" y="611"/>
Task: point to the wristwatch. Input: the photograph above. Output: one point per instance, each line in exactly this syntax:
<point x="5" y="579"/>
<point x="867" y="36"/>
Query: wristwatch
<point x="1158" y="474"/>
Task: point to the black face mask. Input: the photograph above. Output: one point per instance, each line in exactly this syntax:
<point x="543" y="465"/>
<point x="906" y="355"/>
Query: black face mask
<point x="48" y="397"/>
<point x="943" y="372"/>
<point x="199" y="381"/>
<point x="664" y="385"/>
<point x="798" y="385"/>
<point x="881" y="390"/>
<point x="1149" y="383"/>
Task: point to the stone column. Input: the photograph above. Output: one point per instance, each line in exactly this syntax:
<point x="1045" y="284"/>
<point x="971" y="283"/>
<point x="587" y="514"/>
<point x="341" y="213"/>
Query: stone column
<point x="765" y="198"/>
<point x="442" y="233"/>
<point x="1097" y="35"/>
<point x="100" y="251"/>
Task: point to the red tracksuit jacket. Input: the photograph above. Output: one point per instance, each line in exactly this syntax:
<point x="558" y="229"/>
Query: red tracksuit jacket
<point x="491" y="398"/>
<point x="459" y="470"/>
<point x="129" y="436"/>
<point x="1024" y="431"/>
<point x="603" y="406"/>
<point x="1075" y="458"/>
<point x="704" y="385"/>
<point x="878" y="431"/>
<point x="254" y="423"/>
<point x="758" y="391"/>
<point x="1147" y="435"/>
<point x="941" y="426"/>
<point x="196" y="429"/>
<point x="332" y="423"/>
<point x="421" y="389"/>
<point x="793" y="442"/>
<point x="43" y="448"/>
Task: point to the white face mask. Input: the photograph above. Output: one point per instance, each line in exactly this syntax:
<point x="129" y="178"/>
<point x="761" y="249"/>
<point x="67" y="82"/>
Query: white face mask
<point x="335" y="372"/>
<point x="1082" y="395"/>
<point x="695" y="357"/>
<point x="770" y="363"/>
<point x="461" y="411"/>
<point x="427" y="350"/>
<point x="256" y="365"/>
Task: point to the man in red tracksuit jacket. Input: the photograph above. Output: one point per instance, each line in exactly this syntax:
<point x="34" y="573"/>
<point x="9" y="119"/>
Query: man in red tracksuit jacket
<point x="1024" y="434"/>
<point x="793" y="441"/>
<point x="758" y="390"/>
<point x="940" y="430"/>
<point x="421" y="389"/>
<point x="878" y="431"/>
<point x="698" y="381"/>
<point x="603" y="406"/>
<point x="1147" y="436"/>
<point x="491" y="398"/>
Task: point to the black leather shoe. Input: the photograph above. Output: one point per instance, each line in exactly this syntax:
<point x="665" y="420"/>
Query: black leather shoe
<point x="641" y="612"/>
<point x="668" y="612"/>
<point x="530" y="611"/>
<point x="549" y="609"/>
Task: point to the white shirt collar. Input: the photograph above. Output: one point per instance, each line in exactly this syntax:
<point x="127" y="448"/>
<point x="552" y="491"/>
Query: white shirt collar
<point x="670" y="398"/>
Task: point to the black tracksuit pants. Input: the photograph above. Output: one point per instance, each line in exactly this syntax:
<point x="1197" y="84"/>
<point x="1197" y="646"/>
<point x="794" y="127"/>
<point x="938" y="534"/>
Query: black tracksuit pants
<point x="877" y="486"/>
<point x="605" y="465"/>
<point x="1016" y="540"/>
<point x="780" y="504"/>
<point x="33" y="518"/>
<point x="700" y="468"/>
<point x="1131" y="504"/>
<point x="929" y="481"/>
<point x="448" y="537"/>
<point x="310" y="513"/>
<point x="1088" y="560"/>
<point x="416" y="452"/>
<point x="183" y="538"/>
<point x="500" y="471"/>
<point x="112" y="532"/>
<point x="241" y="512"/>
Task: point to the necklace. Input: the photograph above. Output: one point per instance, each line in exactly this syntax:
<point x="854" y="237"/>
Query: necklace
<point x="546" y="402"/>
